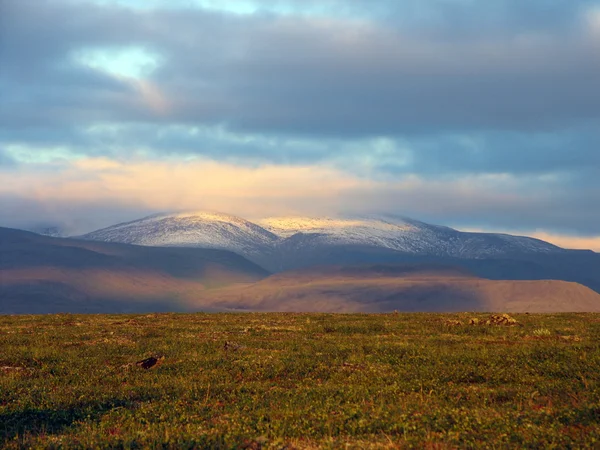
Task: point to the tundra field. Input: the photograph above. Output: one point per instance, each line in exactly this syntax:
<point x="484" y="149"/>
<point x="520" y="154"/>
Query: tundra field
<point x="300" y="381"/>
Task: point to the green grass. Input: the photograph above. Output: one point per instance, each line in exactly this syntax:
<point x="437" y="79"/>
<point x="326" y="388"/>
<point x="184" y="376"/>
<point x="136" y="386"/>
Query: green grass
<point x="300" y="381"/>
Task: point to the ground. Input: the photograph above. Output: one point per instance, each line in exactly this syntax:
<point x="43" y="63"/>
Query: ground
<point x="300" y="381"/>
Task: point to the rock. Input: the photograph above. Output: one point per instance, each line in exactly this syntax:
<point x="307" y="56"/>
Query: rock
<point x="501" y="319"/>
<point x="153" y="361"/>
<point x="452" y="323"/>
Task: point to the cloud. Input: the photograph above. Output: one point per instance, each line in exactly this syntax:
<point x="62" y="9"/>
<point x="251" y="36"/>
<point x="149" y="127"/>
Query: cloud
<point x="5" y="159"/>
<point x="468" y="113"/>
<point x="74" y="189"/>
<point x="575" y="242"/>
<point x="569" y="157"/>
<point x="456" y="15"/>
<point x="152" y="186"/>
<point x="310" y="75"/>
<point x="593" y="21"/>
<point x="181" y="185"/>
<point x="73" y="218"/>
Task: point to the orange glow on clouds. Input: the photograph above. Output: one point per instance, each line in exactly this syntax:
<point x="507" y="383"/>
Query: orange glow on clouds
<point x="190" y="185"/>
<point x="258" y="192"/>
<point x="562" y="240"/>
<point x="573" y="242"/>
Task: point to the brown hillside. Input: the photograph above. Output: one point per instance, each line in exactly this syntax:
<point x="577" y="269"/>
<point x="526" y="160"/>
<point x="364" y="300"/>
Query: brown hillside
<point x="40" y="274"/>
<point x="402" y="289"/>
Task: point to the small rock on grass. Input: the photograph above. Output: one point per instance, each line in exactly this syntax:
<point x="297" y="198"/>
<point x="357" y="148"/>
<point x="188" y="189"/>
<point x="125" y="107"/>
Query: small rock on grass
<point x="148" y="363"/>
<point x="501" y="319"/>
<point x="153" y="361"/>
<point x="494" y="319"/>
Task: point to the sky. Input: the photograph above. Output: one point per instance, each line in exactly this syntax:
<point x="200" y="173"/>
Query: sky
<point x="480" y="115"/>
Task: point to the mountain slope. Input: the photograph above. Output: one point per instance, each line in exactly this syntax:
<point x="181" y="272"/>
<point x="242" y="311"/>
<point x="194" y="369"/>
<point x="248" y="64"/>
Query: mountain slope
<point x="273" y="237"/>
<point x="404" y="235"/>
<point x="40" y="274"/>
<point x="199" y="229"/>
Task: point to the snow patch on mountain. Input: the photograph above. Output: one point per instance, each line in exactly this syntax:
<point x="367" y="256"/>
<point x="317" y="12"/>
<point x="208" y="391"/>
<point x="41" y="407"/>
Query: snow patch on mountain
<point x="403" y="235"/>
<point x="288" y="226"/>
<point x="192" y="229"/>
<point x="282" y="237"/>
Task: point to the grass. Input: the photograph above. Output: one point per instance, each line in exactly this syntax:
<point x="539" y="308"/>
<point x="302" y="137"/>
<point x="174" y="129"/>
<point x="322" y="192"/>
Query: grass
<point x="300" y="381"/>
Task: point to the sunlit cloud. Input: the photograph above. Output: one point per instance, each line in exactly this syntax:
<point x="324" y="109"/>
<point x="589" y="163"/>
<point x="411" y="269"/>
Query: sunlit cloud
<point x="130" y="62"/>
<point x="189" y="185"/>
<point x="127" y="190"/>
<point x="592" y="19"/>
<point x="575" y="242"/>
<point x="131" y="65"/>
<point x="152" y="97"/>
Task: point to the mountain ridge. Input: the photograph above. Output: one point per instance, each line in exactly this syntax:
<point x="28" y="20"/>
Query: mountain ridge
<point x="41" y="274"/>
<point x="281" y="244"/>
<point x="218" y="230"/>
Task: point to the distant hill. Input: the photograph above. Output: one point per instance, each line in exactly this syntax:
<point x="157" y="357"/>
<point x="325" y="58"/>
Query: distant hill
<point x="287" y="243"/>
<point x="41" y="274"/>
<point x="407" y="288"/>
<point x="199" y="229"/>
<point x="275" y="242"/>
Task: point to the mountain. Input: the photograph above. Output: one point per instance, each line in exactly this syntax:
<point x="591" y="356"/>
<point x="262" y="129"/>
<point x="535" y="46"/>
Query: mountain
<point x="408" y="288"/>
<point x="274" y="237"/>
<point x="41" y="274"/>
<point x="199" y="229"/>
<point x="287" y="243"/>
<point x="403" y="235"/>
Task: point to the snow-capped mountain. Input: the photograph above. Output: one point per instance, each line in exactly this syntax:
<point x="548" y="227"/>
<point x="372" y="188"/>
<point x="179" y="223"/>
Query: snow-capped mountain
<point x="194" y="229"/>
<point x="403" y="235"/>
<point x="279" y="243"/>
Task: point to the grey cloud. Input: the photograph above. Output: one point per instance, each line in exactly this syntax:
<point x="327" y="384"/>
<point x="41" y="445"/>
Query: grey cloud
<point x="296" y="75"/>
<point x="41" y="83"/>
<point x="6" y="161"/>
<point x="455" y="16"/>
<point x="567" y="151"/>
<point x="571" y="155"/>
<point x="505" y="86"/>
<point x="299" y="77"/>
<point x="73" y="218"/>
<point x="525" y="207"/>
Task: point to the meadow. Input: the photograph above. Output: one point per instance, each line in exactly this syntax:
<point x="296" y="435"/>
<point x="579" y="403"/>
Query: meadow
<point x="282" y="380"/>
